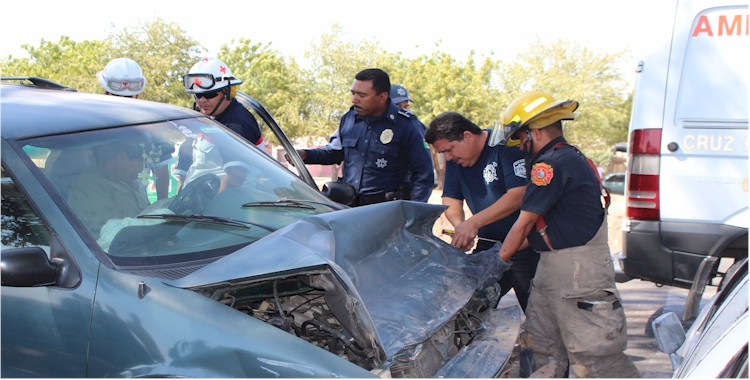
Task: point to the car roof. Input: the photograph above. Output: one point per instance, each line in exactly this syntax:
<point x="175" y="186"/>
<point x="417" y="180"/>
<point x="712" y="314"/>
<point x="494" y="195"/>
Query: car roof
<point x="27" y="111"/>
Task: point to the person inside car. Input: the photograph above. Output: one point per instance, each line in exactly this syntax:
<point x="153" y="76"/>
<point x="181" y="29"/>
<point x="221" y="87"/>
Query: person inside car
<point x="111" y="188"/>
<point x="124" y="77"/>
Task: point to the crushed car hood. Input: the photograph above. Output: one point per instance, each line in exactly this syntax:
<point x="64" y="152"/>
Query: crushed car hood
<point x="409" y="281"/>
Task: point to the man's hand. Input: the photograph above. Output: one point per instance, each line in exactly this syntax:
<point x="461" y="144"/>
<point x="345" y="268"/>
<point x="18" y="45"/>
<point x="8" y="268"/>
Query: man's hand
<point x="465" y="234"/>
<point x="301" y="152"/>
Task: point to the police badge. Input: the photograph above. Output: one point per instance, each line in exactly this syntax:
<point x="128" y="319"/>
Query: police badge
<point x="386" y="136"/>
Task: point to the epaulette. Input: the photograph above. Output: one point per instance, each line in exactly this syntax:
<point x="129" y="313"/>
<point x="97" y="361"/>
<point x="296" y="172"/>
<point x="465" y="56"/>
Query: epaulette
<point x="405" y="112"/>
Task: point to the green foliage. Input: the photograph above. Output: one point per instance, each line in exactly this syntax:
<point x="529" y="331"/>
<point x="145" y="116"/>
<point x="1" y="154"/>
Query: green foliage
<point x="569" y="71"/>
<point x="162" y="49"/>
<point x="269" y="77"/>
<point x="164" y="52"/>
<point x="71" y="63"/>
<point x="309" y="102"/>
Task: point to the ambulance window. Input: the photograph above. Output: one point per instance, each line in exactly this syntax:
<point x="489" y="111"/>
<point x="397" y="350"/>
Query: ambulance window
<point x="715" y="75"/>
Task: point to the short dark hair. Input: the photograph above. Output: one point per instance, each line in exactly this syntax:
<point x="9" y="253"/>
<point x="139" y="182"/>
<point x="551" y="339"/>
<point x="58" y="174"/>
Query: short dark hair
<point x="381" y="82"/>
<point x="450" y="126"/>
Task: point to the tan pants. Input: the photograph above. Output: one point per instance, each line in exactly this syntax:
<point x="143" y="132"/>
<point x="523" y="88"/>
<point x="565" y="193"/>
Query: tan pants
<point x="575" y="314"/>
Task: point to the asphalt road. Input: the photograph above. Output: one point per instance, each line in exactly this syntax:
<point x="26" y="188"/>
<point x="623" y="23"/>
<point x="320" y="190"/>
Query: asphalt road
<point x="643" y="302"/>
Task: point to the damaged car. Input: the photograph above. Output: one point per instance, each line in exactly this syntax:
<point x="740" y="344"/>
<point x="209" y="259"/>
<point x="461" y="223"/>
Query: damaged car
<point x="244" y="268"/>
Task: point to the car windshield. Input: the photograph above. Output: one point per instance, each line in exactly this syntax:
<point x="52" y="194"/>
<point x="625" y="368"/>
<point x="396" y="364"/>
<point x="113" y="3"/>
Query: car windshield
<point x="172" y="191"/>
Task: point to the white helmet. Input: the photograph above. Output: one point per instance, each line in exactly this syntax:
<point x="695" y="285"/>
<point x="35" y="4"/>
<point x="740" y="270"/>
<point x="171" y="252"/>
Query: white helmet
<point x="122" y="76"/>
<point x="209" y="74"/>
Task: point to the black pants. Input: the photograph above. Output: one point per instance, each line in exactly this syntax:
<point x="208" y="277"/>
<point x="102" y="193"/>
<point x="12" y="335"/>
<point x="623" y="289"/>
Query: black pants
<point x="520" y="274"/>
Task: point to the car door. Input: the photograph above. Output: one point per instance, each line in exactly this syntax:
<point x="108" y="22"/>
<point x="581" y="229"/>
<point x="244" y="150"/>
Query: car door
<point x="47" y="294"/>
<point x="298" y="165"/>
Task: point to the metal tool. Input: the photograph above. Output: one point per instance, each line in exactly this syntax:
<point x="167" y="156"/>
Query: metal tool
<point x="451" y="233"/>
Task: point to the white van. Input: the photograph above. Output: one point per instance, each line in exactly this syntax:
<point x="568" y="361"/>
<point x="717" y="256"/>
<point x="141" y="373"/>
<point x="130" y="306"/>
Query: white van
<point x="687" y="176"/>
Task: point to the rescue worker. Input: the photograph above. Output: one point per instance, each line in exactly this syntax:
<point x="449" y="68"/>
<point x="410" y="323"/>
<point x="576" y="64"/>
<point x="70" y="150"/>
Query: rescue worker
<point x="381" y="145"/>
<point x="122" y="77"/>
<point x="214" y="87"/>
<point x="491" y="180"/>
<point x="574" y="317"/>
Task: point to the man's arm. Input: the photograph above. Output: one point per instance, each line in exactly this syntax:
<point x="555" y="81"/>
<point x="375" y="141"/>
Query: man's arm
<point x="516" y="238"/>
<point x="456" y="216"/>
<point x="467" y="230"/>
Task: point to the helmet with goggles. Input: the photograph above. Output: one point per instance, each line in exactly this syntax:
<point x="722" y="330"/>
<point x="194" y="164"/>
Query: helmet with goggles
<point x="533" y="110"/>
<point x="208" y="75"/>
<point x="123" y="77"/>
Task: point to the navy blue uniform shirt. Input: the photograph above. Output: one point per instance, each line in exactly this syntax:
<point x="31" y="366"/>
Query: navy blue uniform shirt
<point x="497" y="170"/>
<point x="240" y="120"/>
<point x="566" y="192"/>
<point x="379" y="152"/>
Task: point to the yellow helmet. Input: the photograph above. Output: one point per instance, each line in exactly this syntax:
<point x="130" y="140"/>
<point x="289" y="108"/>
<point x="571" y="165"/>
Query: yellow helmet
<point x="534" y="110"/>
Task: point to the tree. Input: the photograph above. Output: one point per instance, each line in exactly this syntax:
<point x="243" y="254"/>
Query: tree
<point x="567" y="70"/>
<point x="161" y="48"/>
<point x="164" y="52"/>
<point x="71" y="63"/>
<point x="270" y="78"/>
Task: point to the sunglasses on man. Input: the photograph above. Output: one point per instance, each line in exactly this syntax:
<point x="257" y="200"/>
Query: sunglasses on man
<point x="207" y="95"/>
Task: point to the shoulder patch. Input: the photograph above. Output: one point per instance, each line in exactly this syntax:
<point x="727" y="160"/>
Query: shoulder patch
<point x="405" y="112"/>
<point x="542" y="174"/>
<point x="519" y="168"/>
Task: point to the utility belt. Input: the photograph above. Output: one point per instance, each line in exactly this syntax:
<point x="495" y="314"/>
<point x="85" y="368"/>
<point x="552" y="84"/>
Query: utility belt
<point x="368" y="199"/>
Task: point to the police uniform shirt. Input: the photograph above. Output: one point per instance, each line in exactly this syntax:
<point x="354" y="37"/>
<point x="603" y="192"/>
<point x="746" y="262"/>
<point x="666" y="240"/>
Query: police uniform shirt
<point x="240" y="120"/>
<point x="497" y="170"/>
<point x="565" y="191"/>
<point x="378" y="152"/>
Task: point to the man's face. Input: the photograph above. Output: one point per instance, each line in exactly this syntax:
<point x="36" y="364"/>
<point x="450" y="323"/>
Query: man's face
<point x="404" y="104"/>
<point x="525" y="138"/>
<point x="365" y="99"/>
<point x="462" y="152"/>
<point x="127" y="166"/>
<point x="207" y="102"/>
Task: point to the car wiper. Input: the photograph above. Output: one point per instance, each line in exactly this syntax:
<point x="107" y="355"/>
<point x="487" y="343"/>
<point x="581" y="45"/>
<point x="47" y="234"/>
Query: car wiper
<point x="283" y="202"/>
<point x="207" y="219"/>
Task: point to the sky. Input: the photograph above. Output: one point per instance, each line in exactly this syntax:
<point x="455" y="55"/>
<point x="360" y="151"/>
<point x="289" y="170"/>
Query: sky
<point x="497" y="28"/>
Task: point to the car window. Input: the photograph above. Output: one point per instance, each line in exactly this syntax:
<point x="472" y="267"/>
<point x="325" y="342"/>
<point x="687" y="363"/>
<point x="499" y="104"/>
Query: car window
<point x="21" y="226"/>
<point x="221" y="192"/>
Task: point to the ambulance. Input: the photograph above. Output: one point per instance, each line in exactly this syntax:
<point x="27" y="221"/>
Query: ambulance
<point x="687" y="176"/>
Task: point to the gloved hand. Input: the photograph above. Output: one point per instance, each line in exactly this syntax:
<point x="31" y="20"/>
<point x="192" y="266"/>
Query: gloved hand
<point x="486" y="266"/>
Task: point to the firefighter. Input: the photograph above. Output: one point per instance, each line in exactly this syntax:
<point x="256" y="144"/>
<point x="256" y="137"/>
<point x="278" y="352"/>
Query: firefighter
<point x="575" y="318"/>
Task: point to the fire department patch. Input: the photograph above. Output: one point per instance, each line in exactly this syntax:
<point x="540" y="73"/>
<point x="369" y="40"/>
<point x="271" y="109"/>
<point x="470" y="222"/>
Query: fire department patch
<point x="541" y="174"/>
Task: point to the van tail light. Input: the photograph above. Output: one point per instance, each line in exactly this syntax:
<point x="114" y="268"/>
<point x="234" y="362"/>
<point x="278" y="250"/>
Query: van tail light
<point x="642" y="193"/>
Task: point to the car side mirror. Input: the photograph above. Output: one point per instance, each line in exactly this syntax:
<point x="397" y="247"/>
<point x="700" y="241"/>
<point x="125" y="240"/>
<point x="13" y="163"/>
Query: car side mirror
<point x="339" y="192"/>
<point x="669" y="336"/>
<point x="27" y="267"/>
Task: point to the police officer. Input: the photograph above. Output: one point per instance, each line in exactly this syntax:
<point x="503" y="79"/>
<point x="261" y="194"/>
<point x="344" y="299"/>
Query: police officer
<point x="574" y="317"/>
<point x="378" y="143"/>
<point x="491" y="180"/>
<point x="400" y="96"/>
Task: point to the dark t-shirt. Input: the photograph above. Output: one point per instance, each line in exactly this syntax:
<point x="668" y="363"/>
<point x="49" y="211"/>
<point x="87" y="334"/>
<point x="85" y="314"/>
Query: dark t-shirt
<point x="240" y="120"/>
<point x="566" y="192"/>
<point x="498" y="169"/>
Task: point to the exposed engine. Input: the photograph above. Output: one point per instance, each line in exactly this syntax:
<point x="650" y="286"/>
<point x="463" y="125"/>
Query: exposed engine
<point x="302" y="305"/>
